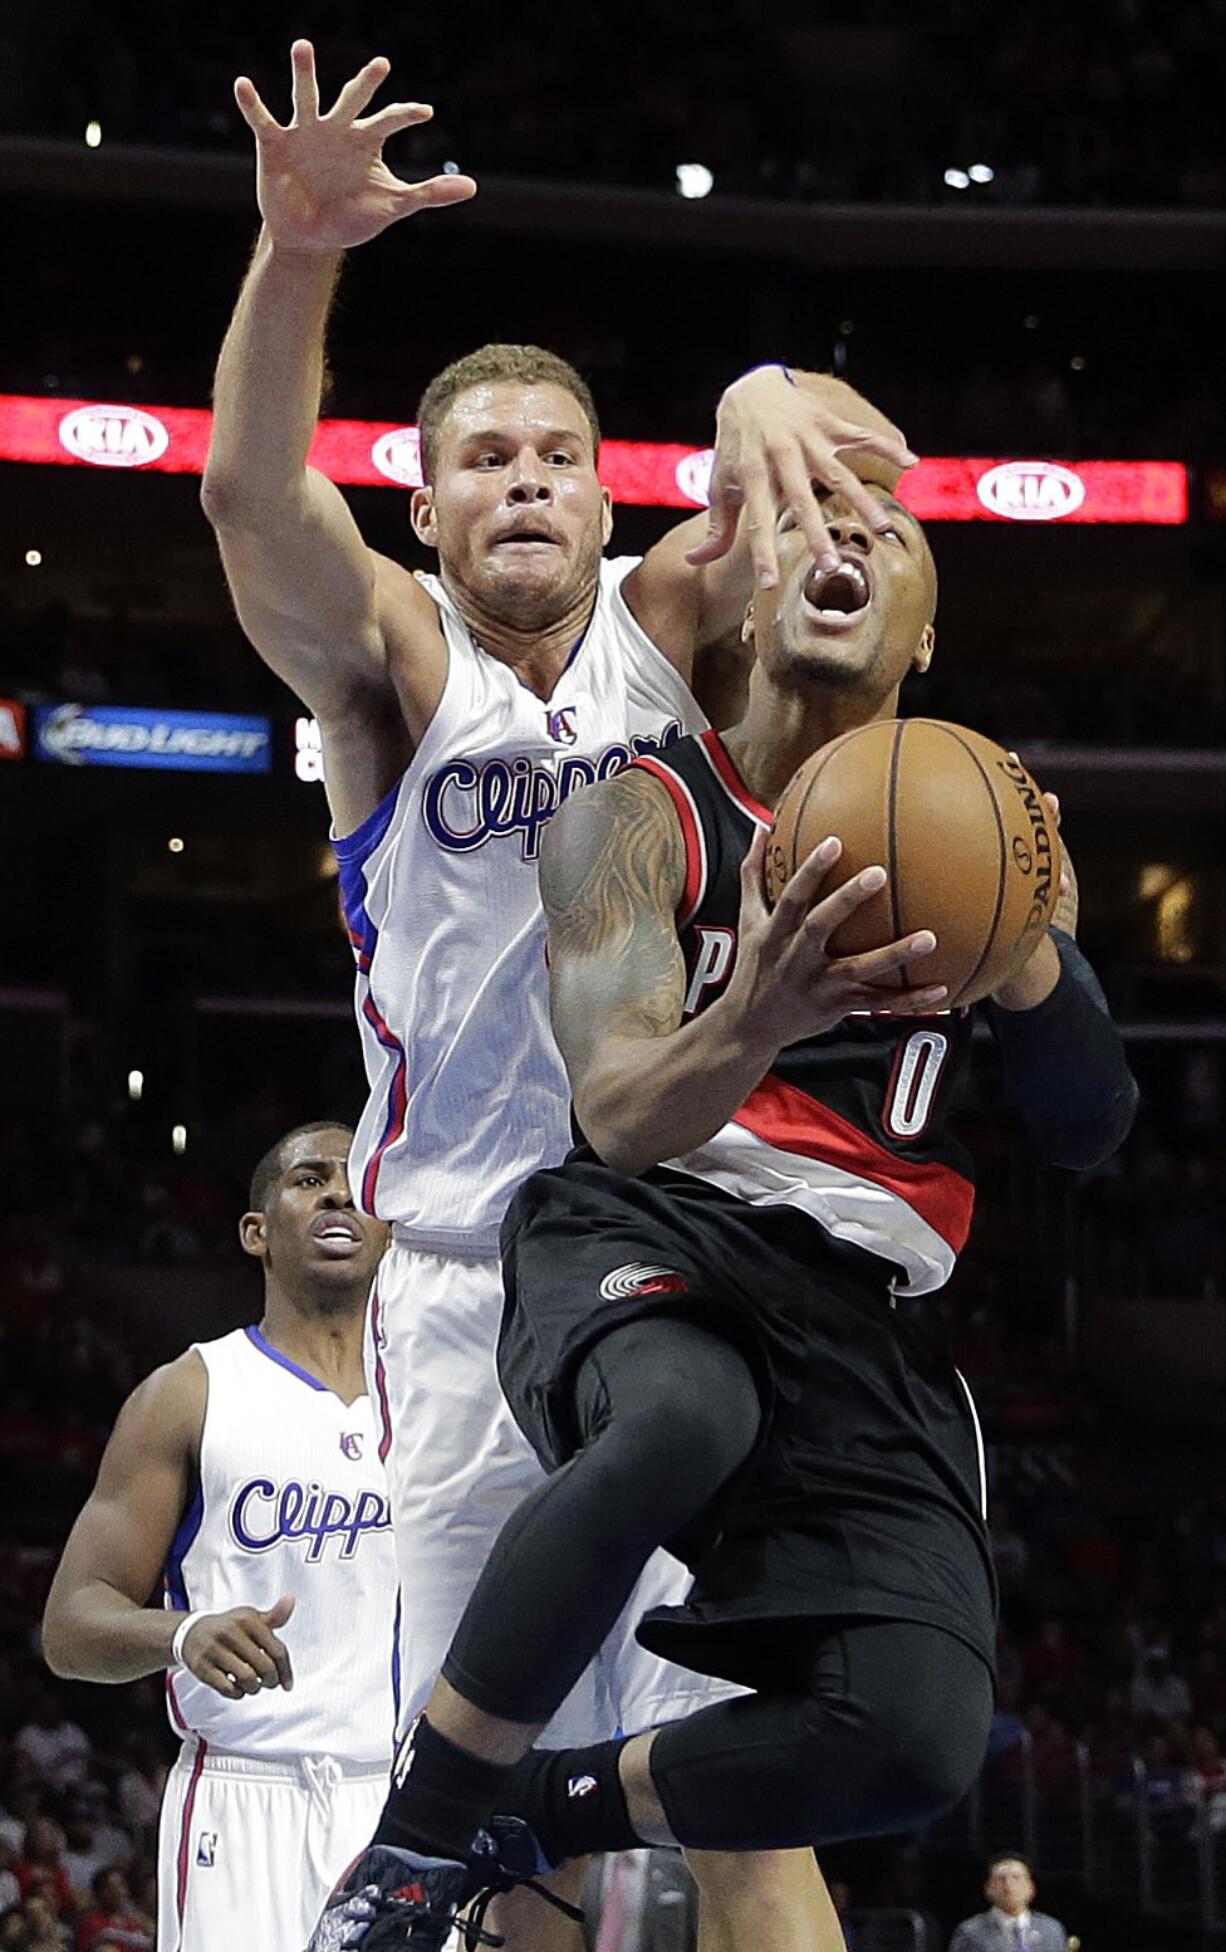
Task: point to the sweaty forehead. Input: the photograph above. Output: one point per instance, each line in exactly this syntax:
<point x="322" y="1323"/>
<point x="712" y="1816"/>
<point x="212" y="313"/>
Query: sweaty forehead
<point x="327" y="1148"/>
<point x="518" y="409"/>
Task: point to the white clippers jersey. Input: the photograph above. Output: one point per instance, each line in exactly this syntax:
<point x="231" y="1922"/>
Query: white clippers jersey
<point x="467" y="1090"/>
<point x="292" y="1499"/>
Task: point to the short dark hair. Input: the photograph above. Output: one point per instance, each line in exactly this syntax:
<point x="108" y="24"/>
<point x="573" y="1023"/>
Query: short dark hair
<point x="272" y="1165"/>
<point x="1011" y="1857"/>
<point x="531" y="365"/>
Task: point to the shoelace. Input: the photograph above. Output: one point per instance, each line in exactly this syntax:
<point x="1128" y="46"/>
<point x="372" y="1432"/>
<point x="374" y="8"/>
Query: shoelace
<point x="473" y="1928"/>
<point x="376" y="1903"/>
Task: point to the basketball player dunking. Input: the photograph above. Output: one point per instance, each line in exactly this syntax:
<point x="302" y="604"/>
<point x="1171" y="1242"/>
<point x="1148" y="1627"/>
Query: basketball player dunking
<point x="457" y="712"/>
<point x="246" y="1475"/>
<point x="707" y="1336"/>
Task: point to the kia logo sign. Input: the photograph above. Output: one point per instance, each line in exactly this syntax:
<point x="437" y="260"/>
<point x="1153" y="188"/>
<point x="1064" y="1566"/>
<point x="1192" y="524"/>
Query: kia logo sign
<point x="693" y="475"/>
<point x="114" y="437"/>
<point x="1031" y="491"/>
<point x="398" y="457"/>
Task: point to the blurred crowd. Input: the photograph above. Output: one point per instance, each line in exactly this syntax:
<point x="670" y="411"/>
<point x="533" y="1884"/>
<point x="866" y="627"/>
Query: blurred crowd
<point x="1113" y="1635"/>
<point x="1089" y="383"/>
<point x="80" y="1784"/>
<point x="1113" y="1631"/>
<point x="81" y="1769"/>
<point x="1109" y="1535"/>
<point x="1153" y="1223"/>
<point x="1016" y="684"/>
<point x="1035" y="690"/>
<point x="78" y="1820"/>
<point x="105" y="1187"/>
<point x="1113" y="102"/>
<point x="54" y="653"/>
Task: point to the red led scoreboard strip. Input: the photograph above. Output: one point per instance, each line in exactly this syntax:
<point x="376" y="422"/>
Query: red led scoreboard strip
<point x="650" y="474"/>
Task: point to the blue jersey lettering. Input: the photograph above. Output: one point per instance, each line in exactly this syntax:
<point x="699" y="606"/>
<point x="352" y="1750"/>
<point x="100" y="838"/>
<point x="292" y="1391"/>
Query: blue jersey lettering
<point x="464" y="805"/>
<point x="264" y="1514"/>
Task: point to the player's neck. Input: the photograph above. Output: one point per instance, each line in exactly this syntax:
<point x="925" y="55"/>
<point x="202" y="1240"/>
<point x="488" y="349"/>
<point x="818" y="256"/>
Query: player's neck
<point x="538" y="654"/>
<point x="324" y="1340"/>
<point x="782" y="726"/>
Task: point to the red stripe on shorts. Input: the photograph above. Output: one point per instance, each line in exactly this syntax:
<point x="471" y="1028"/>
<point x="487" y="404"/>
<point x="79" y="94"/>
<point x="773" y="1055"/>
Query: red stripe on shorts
<point x="185" y="1829"/>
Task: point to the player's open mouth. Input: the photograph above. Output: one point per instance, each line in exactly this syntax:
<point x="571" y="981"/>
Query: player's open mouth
<point x="527" y="538"/>
<point x="838" y="598"/>
<point x="338" y="1237"/>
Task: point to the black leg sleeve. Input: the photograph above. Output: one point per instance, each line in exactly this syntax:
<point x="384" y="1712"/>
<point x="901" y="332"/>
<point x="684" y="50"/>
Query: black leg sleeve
<point x="668" y="1411"/>
<point x="891" y="1731"/>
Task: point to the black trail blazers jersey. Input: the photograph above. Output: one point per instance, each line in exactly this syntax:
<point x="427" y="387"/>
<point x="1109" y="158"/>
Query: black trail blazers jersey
<point x="865" y="1495"/>
<point x="851" y="1128"/>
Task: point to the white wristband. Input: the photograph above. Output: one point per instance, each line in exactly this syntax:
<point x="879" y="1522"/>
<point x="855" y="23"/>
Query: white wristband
<point x="186" y="1623"/>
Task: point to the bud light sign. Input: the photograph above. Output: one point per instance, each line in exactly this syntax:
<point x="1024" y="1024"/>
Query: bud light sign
<point x="128" y="735"/>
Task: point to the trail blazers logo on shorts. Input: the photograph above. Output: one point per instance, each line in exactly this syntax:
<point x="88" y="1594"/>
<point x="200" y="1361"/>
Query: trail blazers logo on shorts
<point x="580" y="1786"/>
<point x="637" y="1279"/>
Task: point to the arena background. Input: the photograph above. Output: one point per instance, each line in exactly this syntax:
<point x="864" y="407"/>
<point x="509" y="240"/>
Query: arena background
<point x="1004" y="225"/>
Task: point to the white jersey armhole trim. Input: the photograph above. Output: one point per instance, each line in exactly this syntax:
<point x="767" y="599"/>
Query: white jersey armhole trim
<point x="199" y="1486"/>
<point x="448" y="616"/>
<point x="210" y="1352"/>
<point x="613" y="573"/>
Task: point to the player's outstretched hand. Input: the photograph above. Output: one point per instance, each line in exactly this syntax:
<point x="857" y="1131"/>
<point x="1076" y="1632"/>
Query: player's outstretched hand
<point x="786" y="982"/>
<point x="321" y="182"/>
<point x="239" y="1652"/>
<point x="773" y="441"/>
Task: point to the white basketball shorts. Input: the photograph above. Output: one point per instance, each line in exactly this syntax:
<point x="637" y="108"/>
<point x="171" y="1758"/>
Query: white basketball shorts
<point x="457" y="1466"/>
<point x="249" y="1850"/>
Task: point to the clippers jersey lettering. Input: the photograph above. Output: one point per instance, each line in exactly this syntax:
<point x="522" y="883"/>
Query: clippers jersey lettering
<point x="850" y="1127"/>
<point x="439" y="886"/>
<point x="291" y="1499"/>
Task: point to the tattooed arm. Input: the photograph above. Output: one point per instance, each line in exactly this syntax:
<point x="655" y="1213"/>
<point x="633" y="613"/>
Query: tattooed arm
<point x="612" y="873"/>
<point x="646" y="1085"/>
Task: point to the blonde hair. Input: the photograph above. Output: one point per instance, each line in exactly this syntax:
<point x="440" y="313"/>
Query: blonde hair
<point x="529" y="365"/>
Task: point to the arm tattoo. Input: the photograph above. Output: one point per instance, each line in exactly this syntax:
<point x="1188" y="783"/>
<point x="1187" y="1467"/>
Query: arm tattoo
<point x="612" y="871"/>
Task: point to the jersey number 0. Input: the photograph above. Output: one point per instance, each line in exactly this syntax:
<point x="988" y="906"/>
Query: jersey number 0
<point x="913" y="1084"/>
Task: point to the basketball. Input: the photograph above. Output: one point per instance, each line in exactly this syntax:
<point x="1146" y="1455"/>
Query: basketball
<point x="970" y="850"/>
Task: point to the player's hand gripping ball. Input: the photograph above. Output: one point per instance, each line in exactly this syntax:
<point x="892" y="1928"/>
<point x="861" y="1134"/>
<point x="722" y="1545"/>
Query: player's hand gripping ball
<point x="969" y="847"/>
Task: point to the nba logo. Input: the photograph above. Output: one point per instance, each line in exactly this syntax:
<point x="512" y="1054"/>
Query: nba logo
<point x="351" y="1445"/>
<point x="206" y="1849"/>
<point x="561" y="725"/>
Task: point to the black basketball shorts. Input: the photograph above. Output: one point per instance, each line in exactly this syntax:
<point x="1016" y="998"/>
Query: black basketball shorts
<point x="865" y="1497"/>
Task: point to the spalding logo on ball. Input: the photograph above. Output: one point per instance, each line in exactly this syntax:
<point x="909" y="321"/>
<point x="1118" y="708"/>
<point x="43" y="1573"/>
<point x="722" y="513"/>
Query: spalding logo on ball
<point x="969" y="848"/>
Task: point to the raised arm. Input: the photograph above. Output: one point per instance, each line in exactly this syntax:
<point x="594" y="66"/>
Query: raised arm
<point x="324" y="611"/>
<point x="648" y="1085"/>
<point x="99" y="1623"/>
